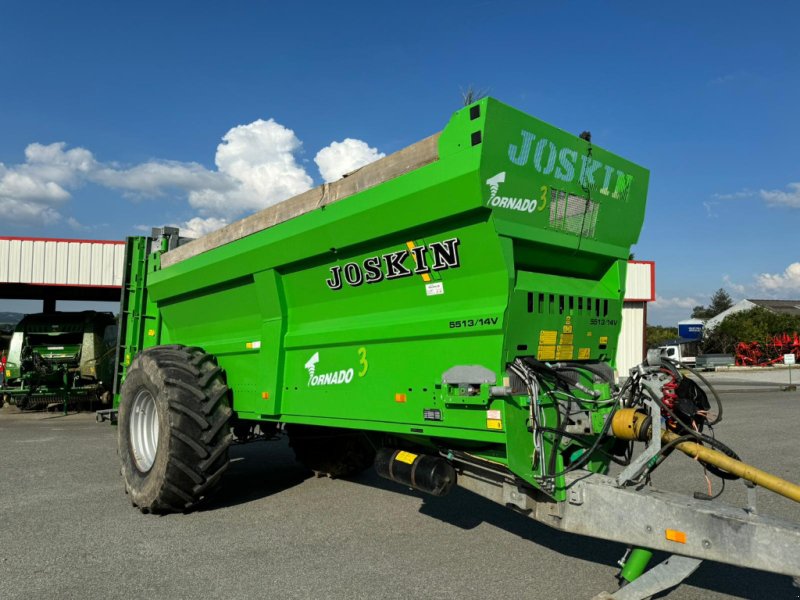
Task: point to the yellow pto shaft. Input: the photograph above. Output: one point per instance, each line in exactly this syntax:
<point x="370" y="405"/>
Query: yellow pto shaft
<point x="735" y="467"/>
<point x="632" y="424"/>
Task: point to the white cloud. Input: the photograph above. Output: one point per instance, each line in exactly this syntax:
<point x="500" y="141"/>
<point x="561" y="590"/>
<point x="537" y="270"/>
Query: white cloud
<point x="198" y="226"/>
<point x="675" y="302"/>
<point x="670" y="310"/>
<point x="745" y="193"/>
<point x="152" y="178"/>
<point x="737" y="288"/>
<point x="257" y="161"/>
<point x="76" y="225"/>
<point x="256" y="167"/>
<point x="711" y="213"/>
<point x="54" y="161"/>
<point x="789" y="198"/>
<point x="728" y="78"/>
<point x="340" y="158"/>
<point x="21" y="185"/>
<point x="31" y="193"/>
<point x="27" y="212"/>
<point x="788" y="281"/>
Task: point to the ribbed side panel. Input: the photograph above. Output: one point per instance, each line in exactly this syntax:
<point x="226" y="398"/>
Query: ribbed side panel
<point x="631" y="351"/>
<point x="639" y="281"/>
<point x="61" y="262"/>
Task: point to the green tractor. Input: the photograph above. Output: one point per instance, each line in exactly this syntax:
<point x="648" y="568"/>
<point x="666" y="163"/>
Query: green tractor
<point x="60" y="358"/>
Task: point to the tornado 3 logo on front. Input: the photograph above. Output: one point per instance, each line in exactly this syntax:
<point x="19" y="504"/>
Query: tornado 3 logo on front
<point x="332" y="378"/>
<point x="520" y="204"/>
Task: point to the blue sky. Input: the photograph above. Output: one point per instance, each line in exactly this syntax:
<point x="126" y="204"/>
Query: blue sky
<point x="115" y="116"/>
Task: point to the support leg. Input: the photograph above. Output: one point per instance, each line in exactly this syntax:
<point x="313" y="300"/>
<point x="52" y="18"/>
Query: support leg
<point x="662" y="577"/>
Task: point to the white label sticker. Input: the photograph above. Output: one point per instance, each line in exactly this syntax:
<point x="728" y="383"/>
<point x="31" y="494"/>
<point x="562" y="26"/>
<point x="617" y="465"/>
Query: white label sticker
<point x="434" y="289"/>
<point x="493" y="414"/>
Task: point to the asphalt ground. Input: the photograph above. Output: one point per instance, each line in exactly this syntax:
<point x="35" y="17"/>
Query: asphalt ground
<point x="67" y="530"/>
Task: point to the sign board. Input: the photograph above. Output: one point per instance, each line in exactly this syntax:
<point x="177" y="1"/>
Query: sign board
<point x="788" y="359"/>
<point x="690" y="331"/>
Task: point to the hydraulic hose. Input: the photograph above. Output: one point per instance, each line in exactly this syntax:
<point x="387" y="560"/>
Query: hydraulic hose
<point x="735" y="467"/>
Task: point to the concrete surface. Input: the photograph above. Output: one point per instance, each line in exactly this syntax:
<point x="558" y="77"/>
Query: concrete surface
<point x="68" y="531"/>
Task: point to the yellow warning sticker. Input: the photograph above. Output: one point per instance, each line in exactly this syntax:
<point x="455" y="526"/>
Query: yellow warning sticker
<point x="405" y="457"/>
<point x="566" y="339"/>
<point x="546" y="353"/>
<point x="548" y="338"/>
<point x="494" y="424"/>
<point x="584" y="353"/>
<point x="565" y="352"/>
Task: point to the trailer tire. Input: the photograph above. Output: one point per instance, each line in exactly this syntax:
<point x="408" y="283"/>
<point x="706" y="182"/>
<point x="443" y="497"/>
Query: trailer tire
<point x="330" y="451"/>
<point x="174" y="428"/>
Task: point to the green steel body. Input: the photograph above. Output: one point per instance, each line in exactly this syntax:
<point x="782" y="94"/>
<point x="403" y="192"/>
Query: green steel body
<point x="517" y="240"/>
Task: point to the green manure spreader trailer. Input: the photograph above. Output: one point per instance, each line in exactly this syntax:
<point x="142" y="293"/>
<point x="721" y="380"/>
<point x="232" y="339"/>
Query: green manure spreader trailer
<point x="449" y="314"/>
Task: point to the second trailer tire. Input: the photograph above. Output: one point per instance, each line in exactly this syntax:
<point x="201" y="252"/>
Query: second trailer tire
<point x="174" y="428"/>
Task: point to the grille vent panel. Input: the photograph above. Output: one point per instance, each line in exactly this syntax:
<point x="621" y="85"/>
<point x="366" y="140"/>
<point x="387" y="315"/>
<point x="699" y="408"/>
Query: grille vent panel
<point x="573" y="214"/>
<point x="557" y="304"/>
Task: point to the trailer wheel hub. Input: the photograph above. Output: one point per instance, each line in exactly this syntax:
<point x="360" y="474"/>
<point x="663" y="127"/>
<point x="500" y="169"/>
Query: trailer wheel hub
<point x="144" y="430"/>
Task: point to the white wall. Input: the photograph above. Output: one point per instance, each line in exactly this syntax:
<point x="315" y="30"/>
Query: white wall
<point x="631" y="350"/>
<point x="640" y="288"/>
<point x="61" y="262"/>
<point x="640" y="281"/>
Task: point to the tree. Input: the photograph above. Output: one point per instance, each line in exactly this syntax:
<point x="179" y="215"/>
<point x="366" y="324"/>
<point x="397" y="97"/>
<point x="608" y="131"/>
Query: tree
<point x="720" y="301"/>
<point x="472" y="94"/>
<point x="755" y="325"/>
<point x="657" y="335"/>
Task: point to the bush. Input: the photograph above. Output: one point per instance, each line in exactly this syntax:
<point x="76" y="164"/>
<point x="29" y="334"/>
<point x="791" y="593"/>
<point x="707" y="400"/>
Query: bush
<point x="657" y="335"/>
<point x="755" y="325"/>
